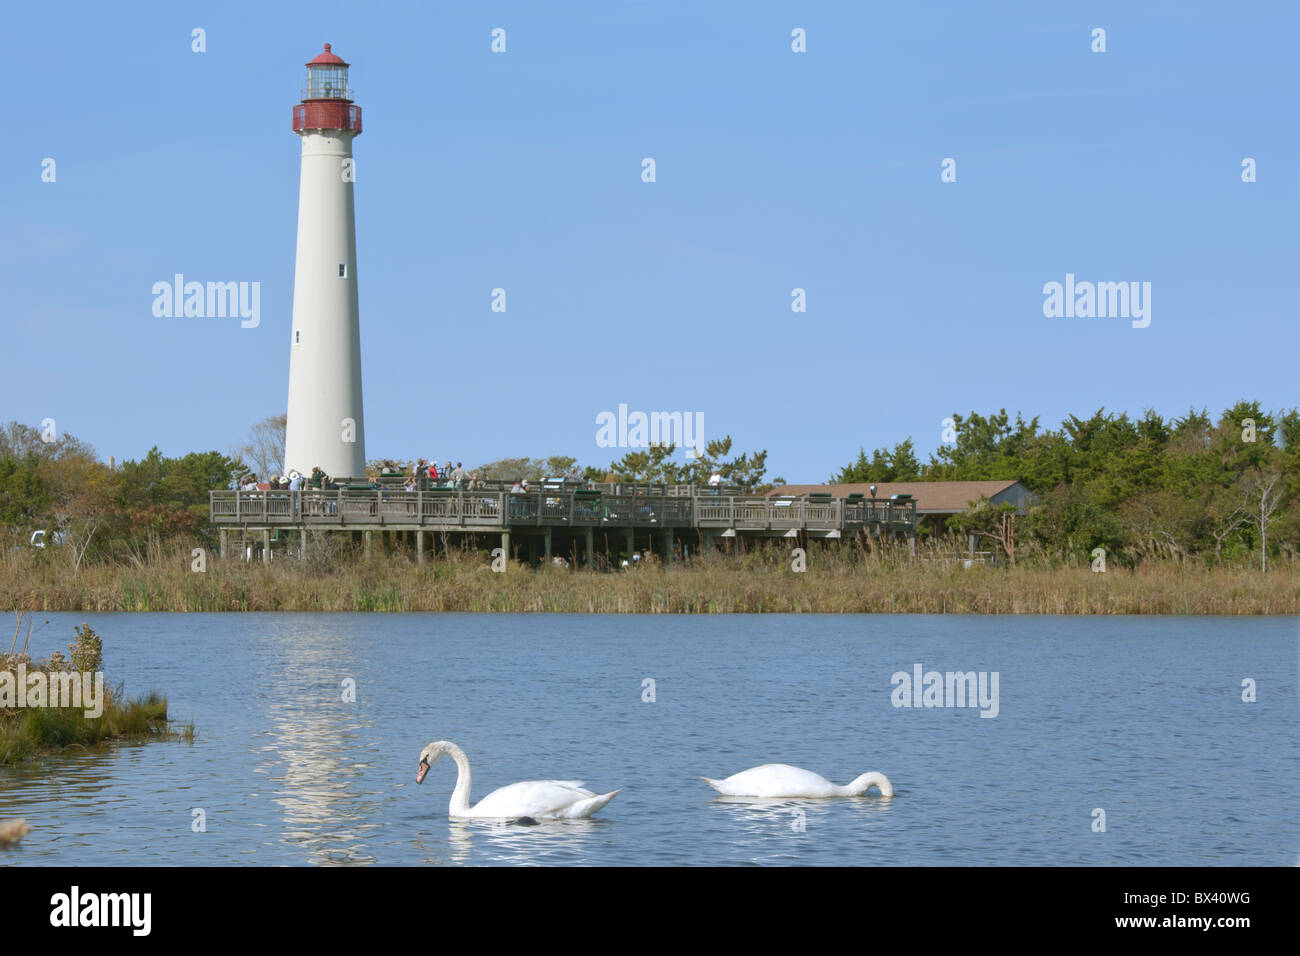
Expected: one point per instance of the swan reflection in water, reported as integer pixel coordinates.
(524, 842)
(760, 815)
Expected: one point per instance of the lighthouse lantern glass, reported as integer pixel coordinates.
(327, 83)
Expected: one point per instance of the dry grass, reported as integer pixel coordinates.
(839, 580)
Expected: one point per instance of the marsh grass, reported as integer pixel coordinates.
(31, 731)
(840, 578)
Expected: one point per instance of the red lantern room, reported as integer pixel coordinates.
(326, 100)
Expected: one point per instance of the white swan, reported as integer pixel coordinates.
(535, 799)
(783, 780)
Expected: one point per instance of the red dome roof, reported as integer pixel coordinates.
(326, 59)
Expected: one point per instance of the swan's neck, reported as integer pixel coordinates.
(865, 782)
(459, 796)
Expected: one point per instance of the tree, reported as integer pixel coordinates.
(901, 464)
(1227, 511)
(1265, 492)
(18, 441)
(747, 470)
(1162, 523)
(985, 448)
(1068, 521)
(655, 464)
(162, 497)
(532, 469)
(23, 495)
(83, 493)
(263, 450)
(998, 523)
(1144, 487)
(27, 464)
(1287, 531)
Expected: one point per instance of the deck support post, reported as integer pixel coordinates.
(591, 549)
(368, 537)
(505, 547)
(911, 544)
(224, 537)
(419, 546)
(546, 537)
(266, 545)
(532, 550)
(631, 547)
(668, 545)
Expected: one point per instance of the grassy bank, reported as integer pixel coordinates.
(35, 730)
(837, 580)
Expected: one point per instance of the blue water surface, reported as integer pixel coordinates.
(1139, 717)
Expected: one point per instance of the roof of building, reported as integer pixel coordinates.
(327, 59)
(946, 497)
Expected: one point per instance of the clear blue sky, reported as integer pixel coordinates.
(775, 170)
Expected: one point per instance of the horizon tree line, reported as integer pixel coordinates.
(1143, 489)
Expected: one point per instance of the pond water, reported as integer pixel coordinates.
(1141, 718)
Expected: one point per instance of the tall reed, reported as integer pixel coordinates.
(840, 578)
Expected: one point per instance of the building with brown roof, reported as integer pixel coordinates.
(936, 501)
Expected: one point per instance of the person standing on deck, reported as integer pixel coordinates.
(295, 484)
(715, 482)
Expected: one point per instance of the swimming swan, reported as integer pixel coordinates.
(536, 799)
(783, 780)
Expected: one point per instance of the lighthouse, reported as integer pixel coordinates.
(325, 426)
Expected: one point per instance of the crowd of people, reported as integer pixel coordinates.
(293, 481)
(422, 474)
(445, 477)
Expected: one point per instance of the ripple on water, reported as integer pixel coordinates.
(1117, 713)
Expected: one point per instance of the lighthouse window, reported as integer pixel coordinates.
(297, 336)
(326, 82)
(343, 270)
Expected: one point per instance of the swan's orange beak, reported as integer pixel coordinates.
(422, 772)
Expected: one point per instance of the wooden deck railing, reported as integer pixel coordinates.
(450, 509)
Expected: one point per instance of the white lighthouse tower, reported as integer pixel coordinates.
(325, 425)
